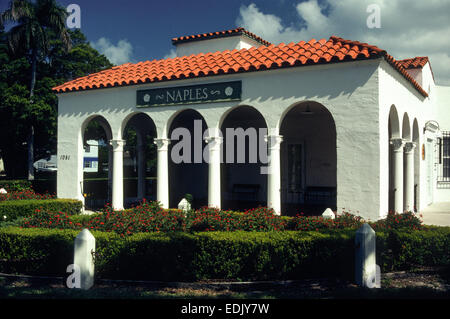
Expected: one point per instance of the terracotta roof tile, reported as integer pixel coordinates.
(220, 34)
(414, 63)
(334, 49)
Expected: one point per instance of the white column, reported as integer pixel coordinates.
(110, 172)
(214, 160)
(117, 187)
(397, 147)
(274, 174)
(140, 166)
(162, 192)
(409, 176)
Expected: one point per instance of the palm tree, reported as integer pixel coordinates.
(34, 24)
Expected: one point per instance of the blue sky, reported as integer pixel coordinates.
(139, 30)
(149, 25)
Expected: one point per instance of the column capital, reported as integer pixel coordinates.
(214, 141)
(274, 141)
(398, 144)
(117, 145)
(162, 143)
(409, 147)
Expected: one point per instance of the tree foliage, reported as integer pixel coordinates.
(54, 66)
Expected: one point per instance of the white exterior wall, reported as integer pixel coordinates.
(443, 114)
(347, 90)
(214, 45)
(396, 90)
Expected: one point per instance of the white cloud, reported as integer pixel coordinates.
(171, 54)
(117, 54)
(408, 28)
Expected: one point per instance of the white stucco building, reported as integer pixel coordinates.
(348, 126)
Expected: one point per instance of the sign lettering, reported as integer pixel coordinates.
(193, 94)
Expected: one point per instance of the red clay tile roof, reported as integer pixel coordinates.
(262, 58)
(220, 34)
(398, 65)
(414, 63)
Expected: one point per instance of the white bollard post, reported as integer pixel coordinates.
(83, 257)
(366, 270)
(184, 205)
(328, 213)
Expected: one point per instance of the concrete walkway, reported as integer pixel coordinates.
(437, 214)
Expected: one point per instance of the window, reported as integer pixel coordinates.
(444, 157)
(87, 164)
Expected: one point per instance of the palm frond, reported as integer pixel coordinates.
(19, 37)
(21, 9)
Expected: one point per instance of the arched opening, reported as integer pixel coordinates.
(188, 172)
(393, 132)
(416, 140)
(308, 160)
(139, 159)
(243, 181)
(406, 128)
(97, 163)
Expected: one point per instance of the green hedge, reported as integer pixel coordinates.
(15, 185)
(220, 255)
(23, 208)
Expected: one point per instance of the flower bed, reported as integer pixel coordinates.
(15, 185)
(150, 217)
(27, 194)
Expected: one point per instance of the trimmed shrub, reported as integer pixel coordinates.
(403, 249)
(220, 255)
(35, 251)
(24, 208)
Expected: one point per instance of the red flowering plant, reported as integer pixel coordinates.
(146, 217)
(25, 194)
(393, 220)
(261, 219)
(309, 223)
(45, 219)
(213, 219)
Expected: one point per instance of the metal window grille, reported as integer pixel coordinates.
(443, 153)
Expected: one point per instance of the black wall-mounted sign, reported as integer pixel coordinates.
(192, 94)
